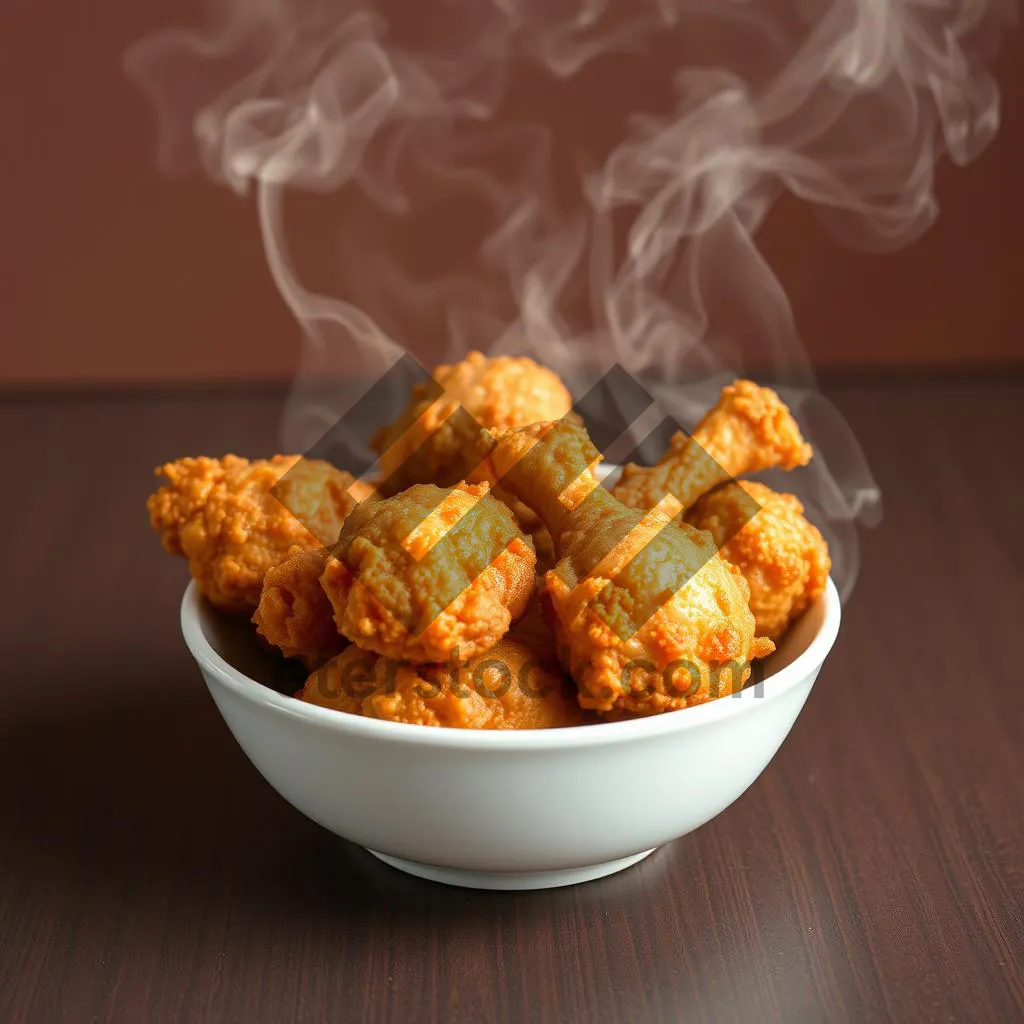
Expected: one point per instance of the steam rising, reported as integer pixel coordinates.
(485, 183)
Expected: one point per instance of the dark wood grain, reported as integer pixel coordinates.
(875, 872)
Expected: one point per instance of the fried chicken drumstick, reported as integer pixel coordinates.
(647, 617)
(234, 519)
(429, 573)
(749, 429)
(294, 613)
(782, 556)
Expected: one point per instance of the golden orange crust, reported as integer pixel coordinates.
(515, 685)
(646, 616)
(222, 516)
(637, 611)
(428, 443)
(538, 532)
(430, 572)
(294, 613)
(750, 429)
(782, 556)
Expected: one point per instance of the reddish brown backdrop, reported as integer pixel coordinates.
(113, 274)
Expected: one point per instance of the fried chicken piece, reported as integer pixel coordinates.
(294, 613)
(223, 516)
(750, 429)
(429, 573)
(345, 681)
(432, 441)
(782, 556)
(515, 685)
(646, 615)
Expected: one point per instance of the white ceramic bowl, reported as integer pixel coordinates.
(507, 809)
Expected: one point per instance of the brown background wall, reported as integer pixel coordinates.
(111, 273)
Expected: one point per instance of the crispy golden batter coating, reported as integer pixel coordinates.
(647, 617)
(430, 572)
(429, 443)
(538, 532)
(222, 516)
(515, 685)
(294, 613)
(782, 556)
(750, 429)
(653, 598)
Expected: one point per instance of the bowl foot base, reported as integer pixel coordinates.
(511, 879)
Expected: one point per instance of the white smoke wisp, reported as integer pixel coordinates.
(482, 180)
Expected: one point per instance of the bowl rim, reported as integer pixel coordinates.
(193, 607)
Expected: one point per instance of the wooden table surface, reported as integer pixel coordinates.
(875, 871)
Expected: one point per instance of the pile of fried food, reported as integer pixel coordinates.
(487, 579)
